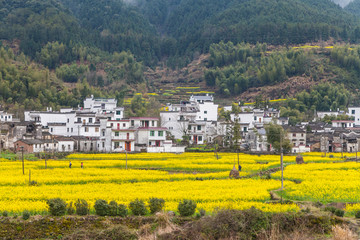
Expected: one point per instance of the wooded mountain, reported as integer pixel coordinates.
(354, 7)
(107, 44)
(153, 29)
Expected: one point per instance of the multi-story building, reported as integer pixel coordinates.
(296, 135)
(355, 113)
(122, 135)
(6, 117)
(343, 123)
(194, 119)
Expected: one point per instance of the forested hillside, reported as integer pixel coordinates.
(354, 7)
(104, 47)
(154, 29)
(233, 69)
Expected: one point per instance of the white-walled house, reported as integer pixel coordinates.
(354, 112)
(343, 123)
(44, 118)
(199, 112)
(322, 114)
(245, 119)
(100, 104)
(197, 132)
(122, 135)
(149, 137)
(208, 111)
(6, 117)
(167, 147)
(65, 144)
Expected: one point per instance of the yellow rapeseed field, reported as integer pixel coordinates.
(325, 182)
(201, 177)
(198, 176)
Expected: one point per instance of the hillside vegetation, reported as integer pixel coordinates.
(104, 47)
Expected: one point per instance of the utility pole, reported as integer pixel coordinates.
(45, 161)
(357, 148)
(1, 125)
(342, 146)
(281, 162)
(126, 159)
(238, 159)
(53, 147)
(78, 139)
(22, 157)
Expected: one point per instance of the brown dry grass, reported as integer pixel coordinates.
(165, 226)
(343, 233)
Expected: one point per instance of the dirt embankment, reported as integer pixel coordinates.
(225, 224)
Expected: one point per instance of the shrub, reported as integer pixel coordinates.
(33, 183)
(156, 205)
(57, 206)
(70, 209)
(123, 212)
(202, 212)
(138, 207)
(318, 204)
(306, 210)
(357, 214)
(187, 207)
(82, 207)
(339, 212)
(101, 207)
(5, 213)
(330, 209)
(26, 215)
(113, 208)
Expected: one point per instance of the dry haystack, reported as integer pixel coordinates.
(299, 159)
(234, 173)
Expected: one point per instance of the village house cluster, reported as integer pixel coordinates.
(101, 126)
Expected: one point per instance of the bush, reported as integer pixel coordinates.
(33, 183)
(82, 207)
(57, 206)
(339, 212)
(330, 209)
(156, 205)
(357, 214)
(123, 212)
(101, 207)
(26, 215)
(113, 208)
(5, 213)
(138, 207)
(187, 207)
(306, 210)
(70, 209)
(318, 204)
(202, 212)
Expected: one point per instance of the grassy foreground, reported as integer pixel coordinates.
(226, 224)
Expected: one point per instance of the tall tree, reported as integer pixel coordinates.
(277, 137)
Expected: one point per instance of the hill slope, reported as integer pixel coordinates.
(153, 29)
(198, 23)
(354, 7)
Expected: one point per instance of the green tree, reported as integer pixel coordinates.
(277, 137)
(137, 107)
